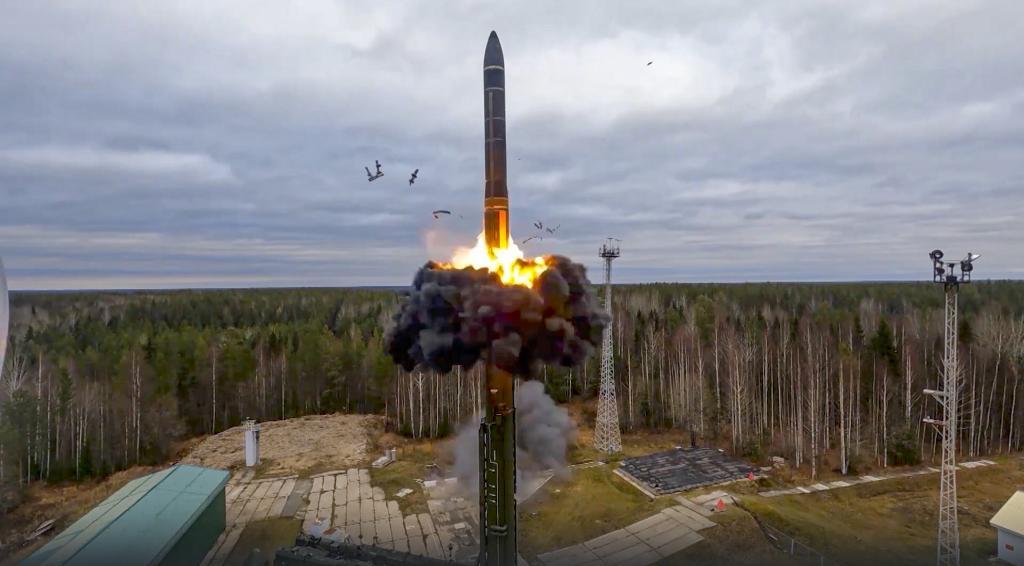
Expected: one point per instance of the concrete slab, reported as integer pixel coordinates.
(378, 493)
(340, 515)
(693, 506)
(247, 513)
(642, 557)
(597, 543)
(352, 492)
(318, 485)
(352, 474)
(397, 527)
(433, 544)
(352, 513)
(326, 500)
(232, 493)
(625, 540)
(401, 545)
(263, 511)
(648, 523)
(367, 531)
(364, 476)
(416, 546)
(693, 520)
(366, 511)
(365, 491)
(426, 523)
(380, 510)
(669, 526)
(328, 483)
(248, 491)
(412, 527)
(681, 543)
(621, 552)
(286, 488)
(383, 529)
(394, 510)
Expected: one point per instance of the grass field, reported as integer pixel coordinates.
(894, 521)
(593, 501)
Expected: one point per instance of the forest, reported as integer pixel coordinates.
(821, 374)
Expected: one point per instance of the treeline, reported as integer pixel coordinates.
(99, 381)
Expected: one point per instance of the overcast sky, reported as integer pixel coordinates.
(222, 144)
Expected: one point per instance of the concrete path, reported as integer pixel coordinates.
(847, 482)
(645, 542)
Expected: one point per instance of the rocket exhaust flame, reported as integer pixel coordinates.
(508, 263)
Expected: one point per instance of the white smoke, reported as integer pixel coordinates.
(543, 433)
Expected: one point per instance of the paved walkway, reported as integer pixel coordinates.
(340, 505)
(868, 479)
(645, 542)
(249, 500)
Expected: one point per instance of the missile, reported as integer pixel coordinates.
(495, 173)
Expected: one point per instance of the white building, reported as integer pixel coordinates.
(1009, 524)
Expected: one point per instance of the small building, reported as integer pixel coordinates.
(169, 517)
(1009, 524)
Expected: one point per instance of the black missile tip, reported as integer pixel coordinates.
(493, 54)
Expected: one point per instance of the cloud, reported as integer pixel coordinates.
(91, 160)
(211, 144)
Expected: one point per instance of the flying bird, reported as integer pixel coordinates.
(413, 178)
(371, 177)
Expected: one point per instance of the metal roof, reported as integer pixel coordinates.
(139, 523)
(1010, 516)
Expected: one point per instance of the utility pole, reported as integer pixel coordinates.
(948, 548)
(607, 438)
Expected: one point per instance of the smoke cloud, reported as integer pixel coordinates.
(456, 316)
(543, 434)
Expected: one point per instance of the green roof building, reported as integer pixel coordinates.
(169, 517)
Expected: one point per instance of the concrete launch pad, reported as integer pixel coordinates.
(680, 469)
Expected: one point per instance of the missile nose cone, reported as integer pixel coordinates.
(493, 54)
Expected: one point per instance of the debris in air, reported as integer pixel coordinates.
(371, 177)
(413, 178)
(438, 213)
(552, 230)
(538, 224)
(649, 63)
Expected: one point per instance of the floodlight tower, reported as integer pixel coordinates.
(948, 548)
(606, 433)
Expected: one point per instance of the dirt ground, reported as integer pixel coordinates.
(301, 445)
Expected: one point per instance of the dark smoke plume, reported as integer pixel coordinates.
(456, 316)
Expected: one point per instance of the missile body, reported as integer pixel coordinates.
(495, 176)
(498, 528)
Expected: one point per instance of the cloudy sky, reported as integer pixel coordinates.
(222, 144)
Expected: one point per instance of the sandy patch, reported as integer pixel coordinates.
(299, 445)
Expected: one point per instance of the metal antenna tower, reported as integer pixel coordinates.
(606, 434)
(948, 548)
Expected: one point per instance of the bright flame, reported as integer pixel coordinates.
(509, 263)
